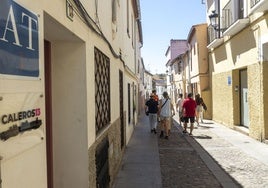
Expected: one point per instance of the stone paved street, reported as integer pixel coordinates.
(215, 156)
(181, 165)
(242, 165)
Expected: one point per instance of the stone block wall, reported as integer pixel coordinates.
(265, 99)
(258, 100)
(255, 101)
(113, 133)
(222, 98)
(206, 95)
(226, 100)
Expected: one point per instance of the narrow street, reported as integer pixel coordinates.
(215, 156)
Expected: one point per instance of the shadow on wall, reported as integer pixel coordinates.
(239, 45)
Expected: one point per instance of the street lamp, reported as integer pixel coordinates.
(214, 20)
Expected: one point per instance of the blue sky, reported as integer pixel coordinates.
(163, 20)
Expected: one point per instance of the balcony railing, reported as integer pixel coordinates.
(214, 37)
(234, 18)
(258, 6)
(212, 34)
(230, 14)
(253, 3)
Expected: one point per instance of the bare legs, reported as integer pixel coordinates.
(191, 128)
(197, 117)
(165, 127)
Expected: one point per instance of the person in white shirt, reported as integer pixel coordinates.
(166, 112)
(179, 107)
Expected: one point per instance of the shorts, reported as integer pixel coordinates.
(186, 119)
(199, 108)
(166, 119)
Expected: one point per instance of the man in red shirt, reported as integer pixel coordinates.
(188, 107)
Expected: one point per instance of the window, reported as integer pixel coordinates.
(102, 90)
(128, 17)
(132, 30)
(114, 11)
(115, 5)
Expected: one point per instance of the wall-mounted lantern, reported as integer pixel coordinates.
(214, 20)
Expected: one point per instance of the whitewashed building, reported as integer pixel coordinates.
(68, 90)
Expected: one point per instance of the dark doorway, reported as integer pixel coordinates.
(49, 152)
(121, 106)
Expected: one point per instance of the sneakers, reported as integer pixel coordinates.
(190, 134)
(162, 135)
(184, 131)
(153, 131)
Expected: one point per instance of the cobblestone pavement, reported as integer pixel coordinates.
(215, 156)
(182, 164)
(246, 170)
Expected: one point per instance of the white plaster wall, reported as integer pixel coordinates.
(69, 115)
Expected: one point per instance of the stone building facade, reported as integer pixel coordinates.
(238, 62)
(189, 69)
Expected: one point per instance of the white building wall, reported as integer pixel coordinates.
(73, 93)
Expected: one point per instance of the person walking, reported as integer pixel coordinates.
(151, 109)
(179, 107)
(166, 111)
(199, 108)
(189, 106)
(156, 98)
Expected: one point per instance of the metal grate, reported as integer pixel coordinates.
(102, 165)
(102, 90)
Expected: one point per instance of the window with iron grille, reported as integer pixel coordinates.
(102, 90)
